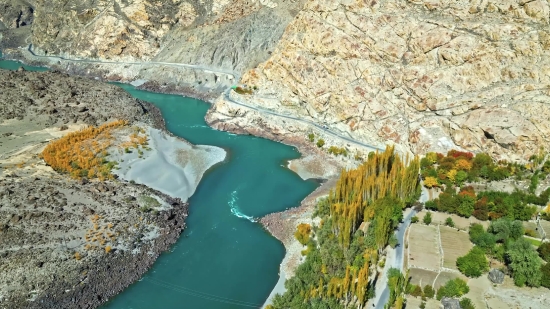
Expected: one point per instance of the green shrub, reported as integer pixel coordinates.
(429, 291)
(474, 263)
(524, 263)
(449, 222)
(545, 271)
(453, 288)
(427, 218)
(466, 303)
(320, 143)
(544, 251)
(311, 137)
(414, 219)
(416, 291)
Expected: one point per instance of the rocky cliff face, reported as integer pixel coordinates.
(426, 74)
(227, 35)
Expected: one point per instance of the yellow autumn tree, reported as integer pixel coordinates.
(451, 175)
(432, 157)
(302, 233)
(82, 153)
(431, 182)
(463, 165)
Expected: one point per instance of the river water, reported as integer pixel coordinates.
(224, 259)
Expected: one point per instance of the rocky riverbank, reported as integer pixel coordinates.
(74, 243)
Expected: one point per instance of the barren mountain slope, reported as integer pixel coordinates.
(228, 35)
(429, 75)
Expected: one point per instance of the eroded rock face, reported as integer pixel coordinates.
(213, 35)
(15, 14)
(429, 75)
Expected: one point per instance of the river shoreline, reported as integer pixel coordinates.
(313, 163)
(82, 275)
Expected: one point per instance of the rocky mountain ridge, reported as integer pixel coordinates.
(427, 75)
(229, 35)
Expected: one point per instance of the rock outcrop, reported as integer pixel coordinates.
(496, 276)
(450, 303)
(426, 74)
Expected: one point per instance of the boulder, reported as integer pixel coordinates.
(450, 303)
(496, 276)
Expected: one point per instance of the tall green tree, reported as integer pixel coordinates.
(474, 263)
(524, 263)
(505, 229)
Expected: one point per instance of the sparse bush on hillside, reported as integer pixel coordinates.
(242, 90)
(320, 143)
(311, 137)
(337, 151)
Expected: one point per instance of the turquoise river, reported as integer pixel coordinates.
(223, 259)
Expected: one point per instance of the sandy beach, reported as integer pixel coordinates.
(171, 166)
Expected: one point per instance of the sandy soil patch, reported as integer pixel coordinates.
(422, 277)
(414, 302)
(487, 295)
(312, 167)
(424, 247)
(455, 244)
(546, 226)
(445, 276)
(460, 222)
(171, 166)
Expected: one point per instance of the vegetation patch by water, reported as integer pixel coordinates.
(337, 272)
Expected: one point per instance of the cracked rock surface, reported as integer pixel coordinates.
(426, 74)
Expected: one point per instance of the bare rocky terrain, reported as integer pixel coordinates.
(64, 242)
(222, 35)
(427, 75)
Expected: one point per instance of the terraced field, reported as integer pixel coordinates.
(455, 244)
(424, 247)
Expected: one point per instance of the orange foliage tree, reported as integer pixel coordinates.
(82, 153)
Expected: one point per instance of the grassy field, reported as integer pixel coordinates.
(533, 241)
